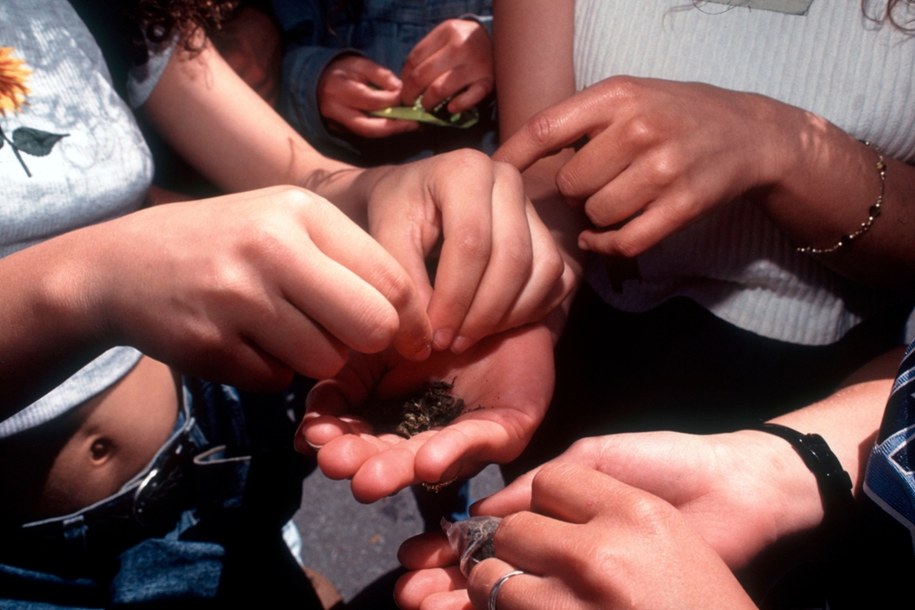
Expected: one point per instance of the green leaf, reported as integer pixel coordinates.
(34, 141)
(438, 116)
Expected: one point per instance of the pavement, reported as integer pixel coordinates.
(355, 545)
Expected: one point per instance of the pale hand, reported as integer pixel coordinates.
(505, 382)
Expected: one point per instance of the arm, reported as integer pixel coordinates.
(774, 493)
(654, 162)
(734, 494)
(282, 269)
(499, 267)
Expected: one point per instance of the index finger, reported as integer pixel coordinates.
(578, 494)
(362, 255)
(546, 133)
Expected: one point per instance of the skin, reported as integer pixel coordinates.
(669, 151)
(713, 499)
(281, 255)
(237, 310)
(588, 542)
(497, 257)
(657, 162)
(503, 411)
(453, 60)
(653, 162)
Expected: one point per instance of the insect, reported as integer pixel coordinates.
(434, 406)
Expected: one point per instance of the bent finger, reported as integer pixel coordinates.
(547, 132)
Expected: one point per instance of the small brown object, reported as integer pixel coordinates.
(435, 406)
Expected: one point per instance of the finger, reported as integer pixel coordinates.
(574, 493)
(430, 44)
(548, 131)
(356, 250)
(643, 231)
(511, 263)
(433, 589)
(419, 70)
(315, 430)
(367, 99)
(427, 550)
(466, 207)
(550, 281)
(375, 127)
(299, 341)
(386, 471)
(342, 457)
(518, 591)
(329, 404)
(378, 76)
(442, 86)
(598, 163)
(514, 497)
(247, 366)
(348, 98)
(460, 448)
(470, 96)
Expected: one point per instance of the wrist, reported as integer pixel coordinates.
(785, 495)
(830, 502)
(344, 185)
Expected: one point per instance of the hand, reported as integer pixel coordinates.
(588, 541)
(505, 382)
(736, 504)
(353, 85)
(659, 155)
(453, 60)
(498, 268)
(248, 288)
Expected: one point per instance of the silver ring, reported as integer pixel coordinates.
(494, 592)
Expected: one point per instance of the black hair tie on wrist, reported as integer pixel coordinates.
(833, 481)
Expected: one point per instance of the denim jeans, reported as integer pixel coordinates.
(225, 545)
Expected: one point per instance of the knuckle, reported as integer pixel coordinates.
(541, 129)
(473, 245)
(628, 247)
(640, 131)
(570, 182)
(666, 168)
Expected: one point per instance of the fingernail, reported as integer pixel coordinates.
(461, 344)
(442, 337)
(424, 352)
(302, 445)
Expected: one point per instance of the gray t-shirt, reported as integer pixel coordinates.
(72, 156)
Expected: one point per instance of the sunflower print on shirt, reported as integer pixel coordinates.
(14, 92)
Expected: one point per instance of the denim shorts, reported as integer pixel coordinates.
(200, 527)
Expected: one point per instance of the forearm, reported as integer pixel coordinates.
(51, 326)
(254, 146)
(533, 67)
(825, 185)
(847, 420)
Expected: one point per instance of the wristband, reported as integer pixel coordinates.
(832, 480)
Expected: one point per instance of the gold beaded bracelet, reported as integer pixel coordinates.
(872, 213)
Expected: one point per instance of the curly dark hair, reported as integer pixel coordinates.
(898, 12)
(159, 20)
